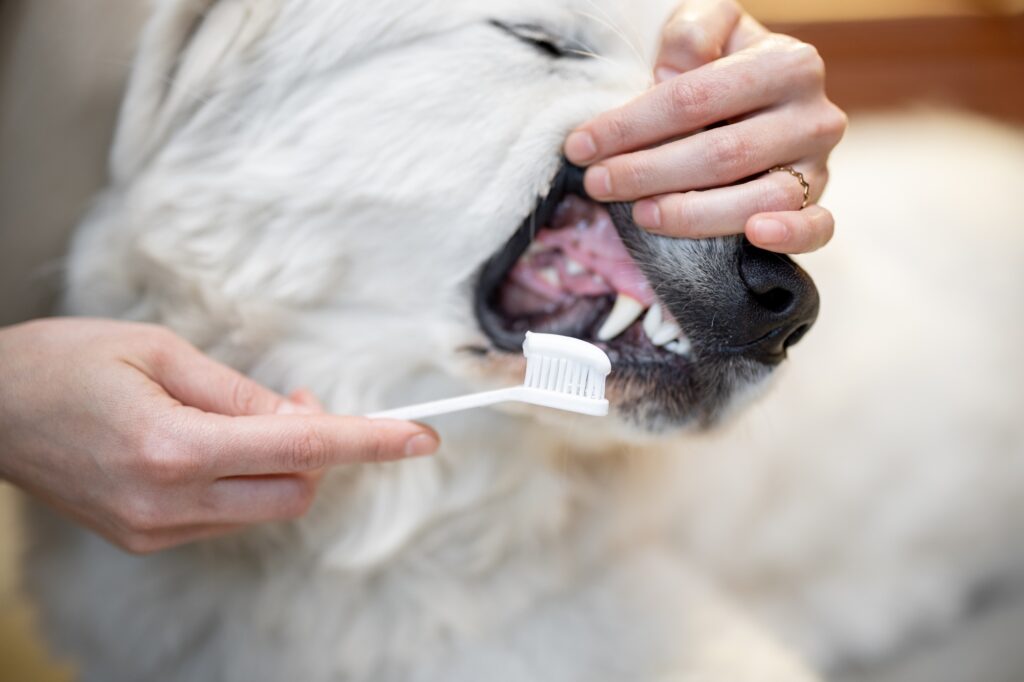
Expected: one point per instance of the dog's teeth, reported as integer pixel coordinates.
(624, 313)
(658, 329)
(680, 346)
(665, 333)
(574, 268)
(652, 321)
(550, 275)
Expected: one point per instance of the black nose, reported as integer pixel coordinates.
(781, 306)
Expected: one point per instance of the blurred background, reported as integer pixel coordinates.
(63, 65)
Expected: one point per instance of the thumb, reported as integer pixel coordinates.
(696, 35)
(199, 381)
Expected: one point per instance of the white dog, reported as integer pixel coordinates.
(344, 196)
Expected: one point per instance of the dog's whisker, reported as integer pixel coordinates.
(636, 40)
(592, 55)
(617, 32)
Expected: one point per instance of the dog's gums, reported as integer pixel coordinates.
(571, 271)
(567, 271)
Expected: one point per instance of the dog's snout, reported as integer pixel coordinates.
(731, 298)
(782, 304)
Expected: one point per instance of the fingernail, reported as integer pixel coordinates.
(647, 214)
(580, 147)
(769, 231)
(421, 444)
(664, 73)
(598, 181)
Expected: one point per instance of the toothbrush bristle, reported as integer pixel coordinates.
(564, 376)
(566, 366)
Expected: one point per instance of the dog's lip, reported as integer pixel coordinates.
(568, 181)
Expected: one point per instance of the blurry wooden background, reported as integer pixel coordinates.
(882, 54)
(846, 10)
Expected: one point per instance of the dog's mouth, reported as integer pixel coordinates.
(566, 271)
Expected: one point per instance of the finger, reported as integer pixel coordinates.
(696, 35)
(140, 541)
(257, 499)
(722, 211)
(305, 398)
(199, 381)
(748, 32)
(792, 231)
(713, 158)
(734, 86)
(243, 446)
(149, 543)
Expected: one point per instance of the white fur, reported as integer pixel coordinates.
(306, 189)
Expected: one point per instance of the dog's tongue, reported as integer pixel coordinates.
(579, 254)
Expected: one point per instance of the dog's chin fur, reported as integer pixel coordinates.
(306, 191)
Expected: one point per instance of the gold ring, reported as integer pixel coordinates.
(800, 177)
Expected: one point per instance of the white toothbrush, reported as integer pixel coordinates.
(561, 372)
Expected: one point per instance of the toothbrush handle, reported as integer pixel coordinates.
(437, 407)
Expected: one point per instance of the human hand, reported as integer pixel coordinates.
(135, 433)
(763, 95)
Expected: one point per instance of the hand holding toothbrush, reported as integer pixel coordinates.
(136, 434)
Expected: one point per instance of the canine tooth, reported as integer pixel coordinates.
(550, 275)
(666, 332)
(652, 321)
(680, 346)
(574, 268)
(624, 313)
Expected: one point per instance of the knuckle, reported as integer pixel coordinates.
(614, 132)
(244, 395)
(162, 343)
(633, 176)
(690, 97)
(155, 332)
(379, 445)
(141, 544)
(159, 352)
(729, 150)
(832, 124)
(810, 61)
(375, 449)
(308, 451)
(629, 176)
(691, 37)
(163, 460)
(782, 193)
(685, 217)
(730, 6)
(140, 515)
(780, 42)
(821, 178)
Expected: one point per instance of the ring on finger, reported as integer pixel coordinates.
(800, 177)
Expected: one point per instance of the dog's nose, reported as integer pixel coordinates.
(782, 304)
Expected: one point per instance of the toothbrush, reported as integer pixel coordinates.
(561, 372)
